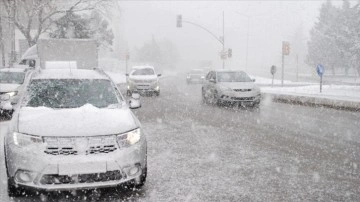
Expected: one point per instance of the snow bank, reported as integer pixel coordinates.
(336, 96)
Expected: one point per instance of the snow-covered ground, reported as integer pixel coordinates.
(336, 92)
(268, 81)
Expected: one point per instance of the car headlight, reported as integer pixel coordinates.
(223, 88)
(23, 140)
(202, 77)
(13, 93)
(129, 138)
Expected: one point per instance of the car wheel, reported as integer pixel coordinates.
(128, 93)
(13, 190)
(214, 99)
(204, 99)
(157, 93)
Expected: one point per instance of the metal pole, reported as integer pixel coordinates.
(2, 48)
(12, 28)
(282, 70)
(321, 83)
(223, 43)
(297, 67)
(247, 45)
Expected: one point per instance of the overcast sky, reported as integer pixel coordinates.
(271, 22)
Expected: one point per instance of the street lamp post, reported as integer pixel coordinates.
(247, 38)
(221, 40)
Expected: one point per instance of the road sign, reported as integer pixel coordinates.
(320, 69)
(273, 70)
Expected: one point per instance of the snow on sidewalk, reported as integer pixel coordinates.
(334, 96)
(335, 92)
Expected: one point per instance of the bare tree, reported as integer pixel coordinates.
(34, 17)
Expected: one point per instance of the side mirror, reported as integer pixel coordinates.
(159, 75)
(212, 80)
(32, 63)
(253, 80)
(134, 102)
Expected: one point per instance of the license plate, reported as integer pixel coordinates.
(82, 168)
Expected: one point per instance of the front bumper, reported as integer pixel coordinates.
(246, 98)
(143, 87)
(71, 172)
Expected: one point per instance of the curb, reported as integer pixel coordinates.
(315, 101)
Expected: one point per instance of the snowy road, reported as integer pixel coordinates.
(205, 153)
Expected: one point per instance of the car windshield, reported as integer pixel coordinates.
(71, 93)
(145, 71)
(233, 77)
(12, 77)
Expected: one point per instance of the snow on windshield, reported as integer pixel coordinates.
(70, 93)
(143, 72)
(233, 77)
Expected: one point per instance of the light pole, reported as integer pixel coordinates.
(247, 38)
(221, 39)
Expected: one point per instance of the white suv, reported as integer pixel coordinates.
(74, 130)
(143, 79)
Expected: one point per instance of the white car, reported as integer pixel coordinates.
(230, 87)
(73, 129)
(143, 79)
(195, 76)
(11, 84)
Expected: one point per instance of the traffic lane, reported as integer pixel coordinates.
(305, 143)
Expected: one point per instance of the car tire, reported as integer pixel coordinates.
(215, 100)
(13, 190)
(142, 179)
(157, 93)
(128, 93)
(204, 99)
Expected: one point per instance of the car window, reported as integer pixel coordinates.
(12, 77)
(145, 71)
(233, 77)
(70, 93)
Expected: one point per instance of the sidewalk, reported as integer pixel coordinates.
(334, 96)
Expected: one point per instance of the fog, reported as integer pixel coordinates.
(270, 23)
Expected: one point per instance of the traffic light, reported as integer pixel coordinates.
(178, 21)
(230, 53)
(285, 48)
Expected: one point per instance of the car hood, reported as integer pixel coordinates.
(238, 85)
(83, 121)
(5, 87)
(143, 77)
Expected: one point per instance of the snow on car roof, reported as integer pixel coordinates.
(69, 74)
(143, 67)
(13, 70)
(228, 70)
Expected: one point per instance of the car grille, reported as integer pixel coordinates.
(243, 98)
(81, 178)
(242, 90)
(142, 87)
(143, 81)
(80, 145)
